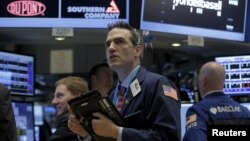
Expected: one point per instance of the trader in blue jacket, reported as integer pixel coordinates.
(215, 107)
(150, 105)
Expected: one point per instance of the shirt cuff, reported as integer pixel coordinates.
(120, 134)
(88, 138)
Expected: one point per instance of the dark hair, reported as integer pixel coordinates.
(94, 71)
(136, 38)
(95, 68)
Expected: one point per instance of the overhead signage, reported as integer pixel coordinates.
(62, 13)
(26, 8)
(29, 8)
(62, 32)
(90, 10)
(221, 19)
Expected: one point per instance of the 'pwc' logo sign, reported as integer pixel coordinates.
(26, 8)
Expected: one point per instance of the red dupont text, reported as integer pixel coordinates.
(26, 8)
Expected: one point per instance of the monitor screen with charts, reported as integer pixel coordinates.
(17, 72)
(237, 69)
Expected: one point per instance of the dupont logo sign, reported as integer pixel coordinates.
(26, 8)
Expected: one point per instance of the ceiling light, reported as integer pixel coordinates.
(175, 44)
(59, 38)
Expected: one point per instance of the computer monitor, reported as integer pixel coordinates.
(237, 69)
(184, 108)
(37, 133)
(38, 113)
(24, 117)
(50, 116)
(17, 72)
(221, 19)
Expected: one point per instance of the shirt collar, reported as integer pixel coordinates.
(130, 76)
(214, 91)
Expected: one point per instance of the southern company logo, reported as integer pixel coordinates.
(113, 8)
(26, 8)
(95, 12)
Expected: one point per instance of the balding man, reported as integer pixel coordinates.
(215, 107)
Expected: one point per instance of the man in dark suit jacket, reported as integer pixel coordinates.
(148, 102)
(7, 119)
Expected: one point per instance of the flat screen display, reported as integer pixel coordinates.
(62, 13)
(184, 108)
(38, 113)
(222, 19)
(50, 116)
(237, 74)
(24, 120)
(17, 73)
